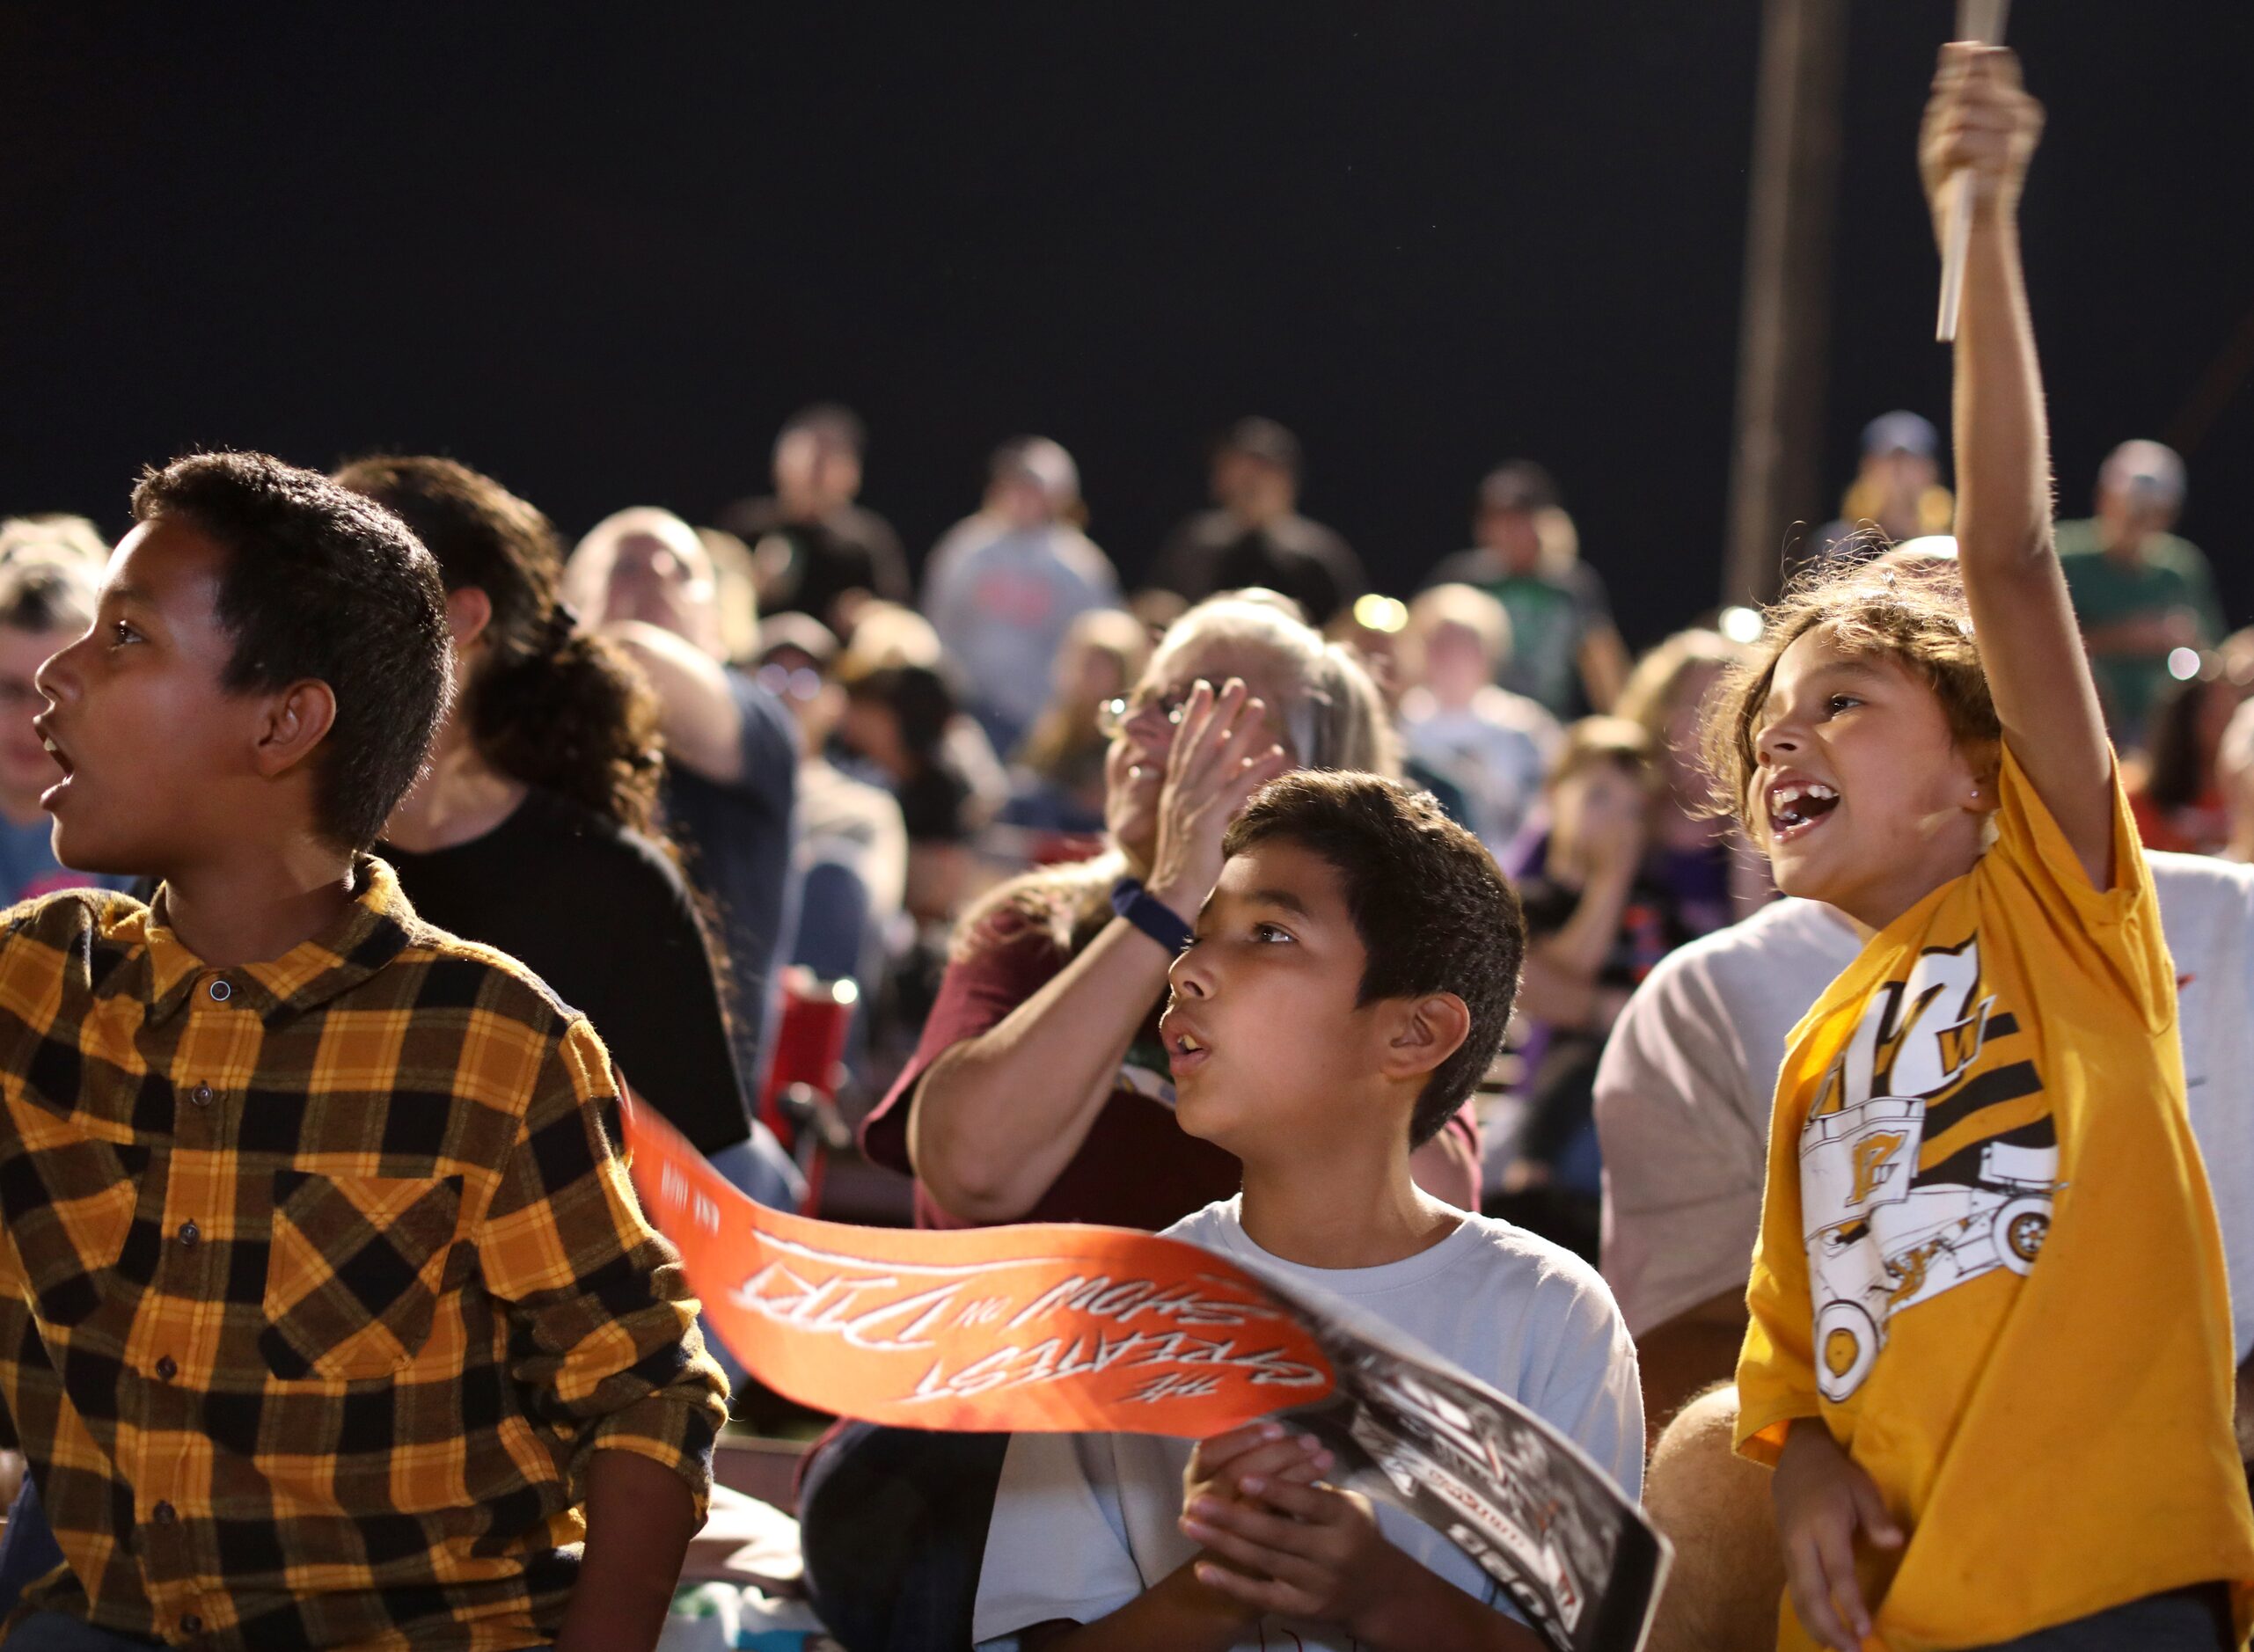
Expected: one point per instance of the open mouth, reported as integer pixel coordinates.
(1796, 807)
(1186, 1050)
(61, 761)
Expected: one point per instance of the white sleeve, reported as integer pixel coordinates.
(1057, 1547)
(1681, 1121)
(2207, 911)
(1588, 1389)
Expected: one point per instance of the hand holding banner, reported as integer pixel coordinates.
(1053, 1327)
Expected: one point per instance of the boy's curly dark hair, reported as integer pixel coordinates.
(1433, 912)
(1907, 609)
(321, 583)
(551, 705)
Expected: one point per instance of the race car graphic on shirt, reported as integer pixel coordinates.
(1888, 1224)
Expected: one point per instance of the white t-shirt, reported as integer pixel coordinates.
(1496, 749)
(1689, 1077)
(1084, 1522)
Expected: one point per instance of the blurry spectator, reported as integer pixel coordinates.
(47, 602)
(643, 578)
(535, 830)
(2140, 593)
(1056, 785)
(1157, 609)
(1003, 586)
(896, 722)
(56, 536)
(1596, 924)
(1255, 536)
(887, 634)
(2177, 800)
(1897, 489)
(735, 592)
(1493, 744)
(1712, 876)
(1376, 629)
(1564, 650)
(811, 544)
(1040, 1090)
(852, 845)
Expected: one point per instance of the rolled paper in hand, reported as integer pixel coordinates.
(1980, 20)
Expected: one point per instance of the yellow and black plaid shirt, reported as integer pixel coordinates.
(322, 1281)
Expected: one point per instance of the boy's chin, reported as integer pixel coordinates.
(1204, 1114)
(83, 850)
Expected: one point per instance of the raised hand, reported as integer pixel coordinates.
(1222, 754)
(1978, 123)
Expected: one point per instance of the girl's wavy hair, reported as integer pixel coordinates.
(1332, 713)
(551, 705)
(1907, 609)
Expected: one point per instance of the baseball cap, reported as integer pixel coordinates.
(1900, 431)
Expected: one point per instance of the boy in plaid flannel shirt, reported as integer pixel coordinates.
(327, 1316)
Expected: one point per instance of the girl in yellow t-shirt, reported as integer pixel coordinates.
(1990, 1349)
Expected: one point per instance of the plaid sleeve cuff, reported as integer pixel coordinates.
(675, 1426)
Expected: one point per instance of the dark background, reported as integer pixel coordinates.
(602, 252)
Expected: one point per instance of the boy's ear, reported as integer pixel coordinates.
(293, 723)
(1426, 1031)
(468, 612)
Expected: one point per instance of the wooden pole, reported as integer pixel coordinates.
(1784, 326)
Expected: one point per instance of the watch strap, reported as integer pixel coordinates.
(1146, 912)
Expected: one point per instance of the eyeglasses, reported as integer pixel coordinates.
(784, 682)
(1112, 716)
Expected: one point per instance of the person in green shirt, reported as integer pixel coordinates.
(2139, 592)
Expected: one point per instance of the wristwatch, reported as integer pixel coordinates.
(1151, 915)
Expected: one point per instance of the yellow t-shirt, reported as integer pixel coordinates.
(1988, 1258)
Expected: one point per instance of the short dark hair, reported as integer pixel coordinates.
(1265, 440)
(324, 584)
(832, 424)
(1434, 912)
(1517, 485)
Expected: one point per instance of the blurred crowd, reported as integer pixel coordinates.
(804, 773)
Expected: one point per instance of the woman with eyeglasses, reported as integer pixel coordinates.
(1040, 1091)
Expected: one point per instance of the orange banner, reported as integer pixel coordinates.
(1045, 1327)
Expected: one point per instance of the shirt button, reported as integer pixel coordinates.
(220, 993)
(164, 1514)
(201, 1095)
(190, 1233)
(167, 1368)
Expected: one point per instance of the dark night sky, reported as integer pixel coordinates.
(601, 255)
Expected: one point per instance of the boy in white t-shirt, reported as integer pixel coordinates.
(1347, 984)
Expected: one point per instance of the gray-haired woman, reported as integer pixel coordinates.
(1039, 1091)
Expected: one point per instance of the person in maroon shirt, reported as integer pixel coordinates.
(1039, 1091)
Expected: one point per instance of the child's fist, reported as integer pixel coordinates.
(1980, 122)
